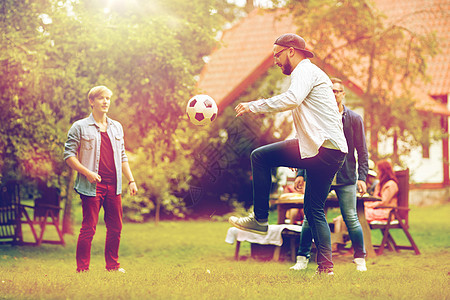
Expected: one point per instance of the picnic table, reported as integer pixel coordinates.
(286, 203)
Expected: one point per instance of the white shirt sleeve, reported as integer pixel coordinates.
(282, 102)
(301, 85)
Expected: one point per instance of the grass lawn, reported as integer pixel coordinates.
(190, 260)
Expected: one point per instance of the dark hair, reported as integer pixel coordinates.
(386, 172)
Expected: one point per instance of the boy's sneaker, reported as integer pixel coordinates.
(119, 270)
(360, 264)
(82, 270)
(301, 264)
(250, 224)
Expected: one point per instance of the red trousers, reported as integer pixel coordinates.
(112, 205)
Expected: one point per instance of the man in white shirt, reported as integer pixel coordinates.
(320, 146)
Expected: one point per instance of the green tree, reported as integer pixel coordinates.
(40, 90)
(147, 52)
(153, 83)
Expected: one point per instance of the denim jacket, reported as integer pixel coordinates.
(83, 142)
(356, 139)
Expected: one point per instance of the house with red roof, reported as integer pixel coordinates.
(246, 54)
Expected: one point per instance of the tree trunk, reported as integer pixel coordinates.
(67, 226)
(371, 109)
(249, 6)
(373, 142)
(158, 209)
(395, 159)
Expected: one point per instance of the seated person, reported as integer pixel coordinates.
(387, 190)
(294, 215)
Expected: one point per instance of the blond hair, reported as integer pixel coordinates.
(97, 91)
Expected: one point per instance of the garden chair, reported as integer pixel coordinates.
(46, 212)
(11, 213)
(398, 218)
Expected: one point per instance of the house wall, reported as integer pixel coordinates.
(426, 197)
(422, 170)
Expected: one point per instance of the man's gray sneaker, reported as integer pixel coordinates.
(249, 224)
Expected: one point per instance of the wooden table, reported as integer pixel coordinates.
(332, 201)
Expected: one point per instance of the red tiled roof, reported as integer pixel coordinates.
(246, 51)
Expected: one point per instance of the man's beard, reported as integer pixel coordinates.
(287, 68)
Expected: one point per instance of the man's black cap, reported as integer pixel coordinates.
(294, 41)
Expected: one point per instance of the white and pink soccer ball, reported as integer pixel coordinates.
(201, 110)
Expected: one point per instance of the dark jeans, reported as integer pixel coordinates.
(112, 205)
(320, 171)
(347, 202)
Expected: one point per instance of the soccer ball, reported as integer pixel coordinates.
(201, 110)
